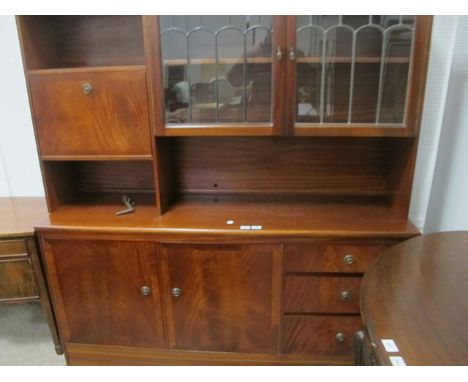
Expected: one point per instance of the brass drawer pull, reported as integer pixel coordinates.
(87, 88)
(145, 290)
(340, 337)
(176, 292)
(345, 295)
(349, 259)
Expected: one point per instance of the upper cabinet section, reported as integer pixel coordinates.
(352, 69)
(87, 86)
(296, 75)
(218, 74)
(353, 72)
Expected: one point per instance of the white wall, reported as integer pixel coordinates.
(20, 174)
(448, 203)
(19, 166)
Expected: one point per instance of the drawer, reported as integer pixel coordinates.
(16, 279)
(13, 248)
(322, 294)
(92, 112)
(319, 335)
(339, 258)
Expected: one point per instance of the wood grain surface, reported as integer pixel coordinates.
(415, 294)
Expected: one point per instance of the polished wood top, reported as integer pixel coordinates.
(18, 215)
(416, 293)
(209, 215)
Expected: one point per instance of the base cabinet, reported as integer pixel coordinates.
(144, 302)
(222, 297)
(105, 292)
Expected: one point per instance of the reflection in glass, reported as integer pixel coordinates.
(217, 68)
(353, 69)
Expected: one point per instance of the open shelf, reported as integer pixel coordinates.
(277, 216)
(357, 60)
(99, 182)
(81, 41)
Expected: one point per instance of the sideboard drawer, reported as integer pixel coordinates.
(92, 112)
(17, 280)
(322, 294)
(319, 335)
(338, 258)
(13, 248)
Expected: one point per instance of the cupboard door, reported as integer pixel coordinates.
(97, 112)
(222, 297)
(220, 74)
(105, 292)
(353, 71)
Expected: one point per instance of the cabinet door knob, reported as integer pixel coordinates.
(349, 259)
(145, 290)
(292, 54)
(176, 292)
(340, 337)
(279, 53)
(345, 295)
(87, 88)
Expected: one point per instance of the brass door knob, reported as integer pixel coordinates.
(345, 295)
(145, 290)
(340, 337)
(87, 88)
(349, 259)
(176, 292)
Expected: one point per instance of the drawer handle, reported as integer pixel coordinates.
(340, 337)
(145, 290)
(349, 259)
(176, 292)
(292, 54)
(345, 295)
(87, 88)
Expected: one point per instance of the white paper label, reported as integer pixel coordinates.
(257, 227)
(230, 222)
(397, 361)
(245, 227)
(390, 346)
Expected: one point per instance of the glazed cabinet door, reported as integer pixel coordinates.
(217, 75)
(222, 297)
(361, 72)
(105, 292)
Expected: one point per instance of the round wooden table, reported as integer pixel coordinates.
(416, 294)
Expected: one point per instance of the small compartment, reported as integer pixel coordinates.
(13, 248)
(81, 41)
(99, 182)
(319, 335)
(98, 112)
(17, 279)
(332, 258)
(322, 294)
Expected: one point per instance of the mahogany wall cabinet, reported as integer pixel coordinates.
(269, 159)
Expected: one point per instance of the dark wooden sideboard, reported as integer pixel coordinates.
(21, 272)
(269, 158)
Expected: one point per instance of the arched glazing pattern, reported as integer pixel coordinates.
(217, 68)
(353, 69)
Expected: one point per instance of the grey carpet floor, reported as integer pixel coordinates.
(25, 337)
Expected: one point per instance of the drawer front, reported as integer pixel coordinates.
(13, 248)
(16, 280)
(112, 119)
(319, 335)
(322, 294)
(338, 258)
